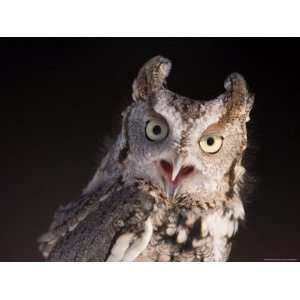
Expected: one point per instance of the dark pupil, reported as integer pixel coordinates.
(210, 141)
(156, 129)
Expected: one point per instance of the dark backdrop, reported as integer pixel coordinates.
(61, 97)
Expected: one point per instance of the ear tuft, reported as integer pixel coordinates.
(151, 78)
(235, 82)
(241, 101)
(249, 106)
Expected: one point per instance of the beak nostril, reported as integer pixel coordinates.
(167, 167)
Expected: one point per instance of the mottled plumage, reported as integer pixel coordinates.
(169, 187)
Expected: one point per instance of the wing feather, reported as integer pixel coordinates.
(92, 238)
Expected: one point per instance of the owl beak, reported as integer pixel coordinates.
(174, 173)
(176, 168)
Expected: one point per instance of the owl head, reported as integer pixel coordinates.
(181, 145)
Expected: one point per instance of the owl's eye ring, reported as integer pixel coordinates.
(211, 143)
(156, 130)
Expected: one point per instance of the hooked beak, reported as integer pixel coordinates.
(173, 174)
(177, 164)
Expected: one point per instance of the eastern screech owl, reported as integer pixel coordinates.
(169, 187)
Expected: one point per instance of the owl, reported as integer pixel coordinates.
(168, 189)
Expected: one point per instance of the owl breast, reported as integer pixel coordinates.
(195, 233)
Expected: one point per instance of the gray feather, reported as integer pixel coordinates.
(92, 239)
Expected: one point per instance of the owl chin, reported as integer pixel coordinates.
(170, 190)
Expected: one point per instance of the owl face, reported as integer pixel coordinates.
(181, 145)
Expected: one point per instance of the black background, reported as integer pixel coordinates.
(61, 97)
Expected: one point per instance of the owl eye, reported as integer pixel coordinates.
(211, 143)
(156, 130)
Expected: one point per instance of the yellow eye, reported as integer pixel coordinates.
(156, 130)
(211, 143)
